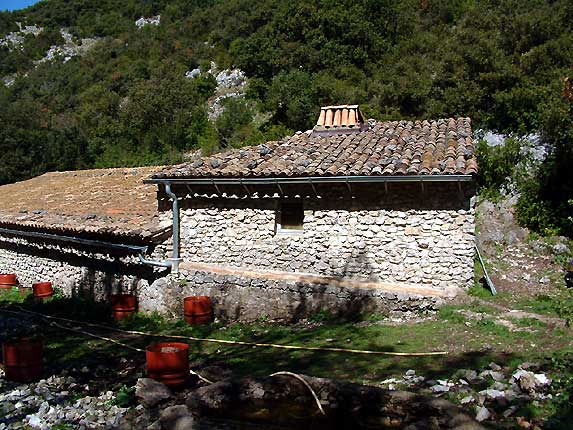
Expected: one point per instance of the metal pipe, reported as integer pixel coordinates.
(175, 215)
(313, 179)
(144, 260)
(173, 262)
(488, 280)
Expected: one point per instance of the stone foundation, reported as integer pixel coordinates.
(256, 295)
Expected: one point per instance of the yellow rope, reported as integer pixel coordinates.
(97, 337)
(237, 342)
(306, 384)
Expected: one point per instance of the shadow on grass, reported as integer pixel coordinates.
(105, 365)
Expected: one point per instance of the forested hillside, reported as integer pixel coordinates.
(126, 99)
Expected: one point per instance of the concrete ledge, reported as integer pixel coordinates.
(314, 279)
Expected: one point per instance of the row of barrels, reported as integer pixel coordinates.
(166, 362)
(23, 358)
(197, 310)
(41, 290)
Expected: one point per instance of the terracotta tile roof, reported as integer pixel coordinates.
(441, 147)
(112, 202)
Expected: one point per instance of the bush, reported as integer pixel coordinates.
(546, 203)
(497, 166)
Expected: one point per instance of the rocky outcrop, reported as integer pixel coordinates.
(231, 83)
(71, 48)
(15, 39)
(343, 405)
(142, 22)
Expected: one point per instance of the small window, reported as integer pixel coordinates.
(290, 217)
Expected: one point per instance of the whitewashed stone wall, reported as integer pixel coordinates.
(402, 235)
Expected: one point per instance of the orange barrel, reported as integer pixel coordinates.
(23, 359)
(42, 290)
(7, 281)
(168, 363)
(197, 309)
(123, 305)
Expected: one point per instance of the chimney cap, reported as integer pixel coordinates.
(340, 119)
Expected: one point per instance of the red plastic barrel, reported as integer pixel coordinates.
(197, 309)
(23, 359)
(42, 290)
(123, 305)
(168, 362)
(8, 280)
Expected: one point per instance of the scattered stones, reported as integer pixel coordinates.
(482, 414)
(51, 403)
(530, 382)
(54, 402)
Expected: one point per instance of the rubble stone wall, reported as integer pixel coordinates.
(244, 298)
(399, 233)
(78, 271)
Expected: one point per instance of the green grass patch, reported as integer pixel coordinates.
(469, 346)
(491, 327)
(451, 314)
(528, 322)
(13, 295)
(478, 290)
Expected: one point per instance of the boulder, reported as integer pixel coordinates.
(151, 392)
(176, 418)
(278, 399)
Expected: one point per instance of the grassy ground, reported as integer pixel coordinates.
(473, 333)
(527, 321)
(471, 340)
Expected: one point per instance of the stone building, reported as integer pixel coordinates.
(84, 231)
(352, 216)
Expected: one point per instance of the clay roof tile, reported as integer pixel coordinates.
(397, 147)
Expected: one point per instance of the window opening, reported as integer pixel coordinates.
(290, 217)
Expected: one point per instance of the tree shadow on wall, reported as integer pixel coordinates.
(99, 277)
(333, 298)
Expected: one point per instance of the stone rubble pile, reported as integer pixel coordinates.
(56, 401)
(494, 394)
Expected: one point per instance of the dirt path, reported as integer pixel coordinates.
(520, 314)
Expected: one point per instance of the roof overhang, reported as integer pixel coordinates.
(311, 180)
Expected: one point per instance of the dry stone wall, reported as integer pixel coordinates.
(403, 235)
(76, 271)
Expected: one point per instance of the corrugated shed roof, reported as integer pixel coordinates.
(393, 148)
(104, 201)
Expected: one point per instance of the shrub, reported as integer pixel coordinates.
(497, 166)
